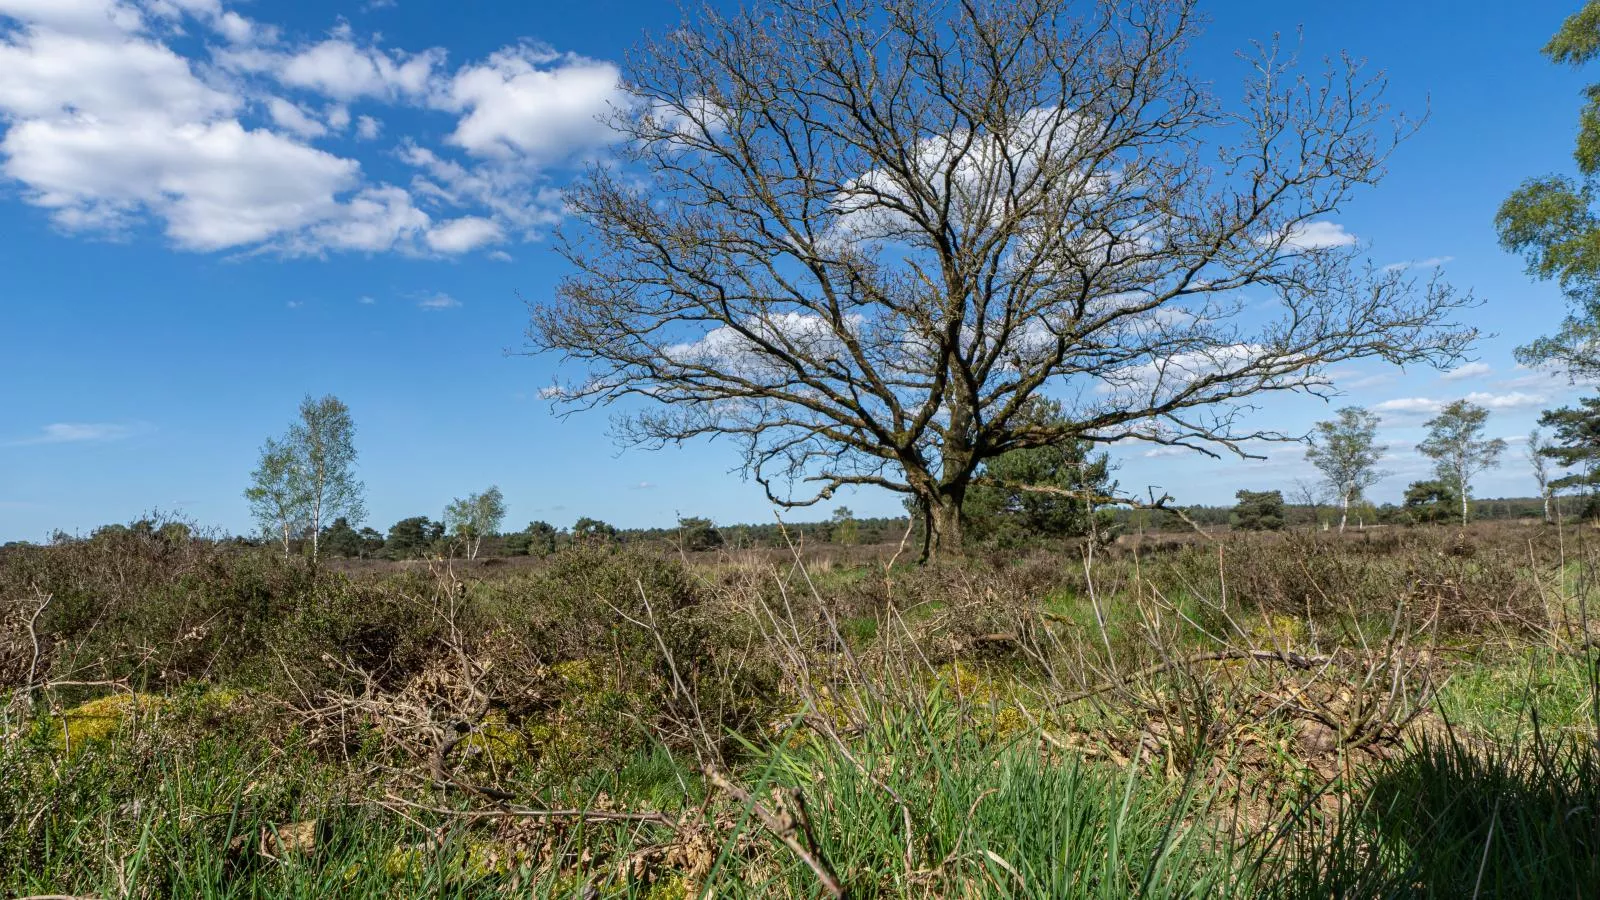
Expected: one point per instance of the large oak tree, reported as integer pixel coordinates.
(861, 237)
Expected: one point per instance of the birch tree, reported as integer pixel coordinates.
(323, 444)
(1458, 448)
(1538, 455)
(1346, 452)
(277, 493)
(475, 516)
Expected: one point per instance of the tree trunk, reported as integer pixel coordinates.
(1344, 511)
(945, 526)
(1463, 503)
(285, 540)
(1546, 494)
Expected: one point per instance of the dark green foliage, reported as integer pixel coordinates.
(342, 541)
(1259, 511)
(413, 537)
(1001, 513)
(1576, 445)
(1453, 821)
(538, 539)
(1551, 222)
(593, 530)
(1430, 501)
(698, 534)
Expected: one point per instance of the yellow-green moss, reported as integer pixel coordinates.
(498, 742)
(97, 720)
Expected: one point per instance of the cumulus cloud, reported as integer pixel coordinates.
(1322, 235)
(1409, 406)
(1470, 370)
(532, 103)
(105, 124)
(293, 118)
(1419, 406)
(464, 234)
(341, 69)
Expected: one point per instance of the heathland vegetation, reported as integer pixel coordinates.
(896, 234)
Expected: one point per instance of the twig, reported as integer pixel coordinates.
(1293, 660)
(782, 831)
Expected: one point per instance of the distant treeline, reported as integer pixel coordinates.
(419, 536)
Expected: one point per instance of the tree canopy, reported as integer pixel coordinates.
(1551, 220)
(861, 238)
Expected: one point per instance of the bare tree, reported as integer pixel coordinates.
(860, 236)
(478, 515)
(1539, 461)
(1345, 451)
(277, 493)
(1458, 449)
(323, 446)
(1310, 494)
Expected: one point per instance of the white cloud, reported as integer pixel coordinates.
(1509, 400)
(532, 103)
(216, 185)
(78, 16)
(438, 302)
(77, 433)
(1419, 406)
(1319, 236)
(295, 119)
(464, 234)
(1409, 406)
(1432, 262)
(107, 126)
(1470, 370)
(366, 301)
(340, 69)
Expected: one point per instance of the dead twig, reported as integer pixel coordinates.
(783, 831)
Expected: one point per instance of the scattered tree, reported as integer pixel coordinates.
(1456, 444)
(696, 534)
(1346, 452)
(1258, 511)
(472, 518)
(1429, 501)
(1553, 223)
(1538, 454)
(863, 237)
(587, 529)
(277, 493)
(322, 444)
(538, 539)
(846, 530)
(1041, 492)
(1576, 447)
(342, 540)
(413, 537)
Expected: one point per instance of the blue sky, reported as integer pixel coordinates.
(211, 208)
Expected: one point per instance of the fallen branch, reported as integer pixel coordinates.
(1292, 660)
